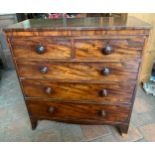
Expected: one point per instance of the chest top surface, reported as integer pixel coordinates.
(103, 23)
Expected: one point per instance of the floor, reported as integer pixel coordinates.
(15, 124)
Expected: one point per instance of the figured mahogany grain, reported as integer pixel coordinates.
(77, 91)
(58, 48)
(78, 71)
(65, 82)
(121, 49)
(87, 113)
(75, 33)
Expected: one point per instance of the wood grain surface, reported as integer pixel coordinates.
(78, 71)
(66, 82)
(89, 113)
(54, 48)
(121, 49)
(77, 91)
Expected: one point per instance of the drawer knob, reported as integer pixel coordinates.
(48, 90)
(103, 113)
(51, 110)
(44, 69)
(40, 49)
(103, 93)
(105, 71)
(107, 49)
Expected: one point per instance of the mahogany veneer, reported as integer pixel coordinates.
(81, 70)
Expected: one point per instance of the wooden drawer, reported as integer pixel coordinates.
(76, 112)
(97, 72)
(40, 47)
(108, 49)
(112, 92)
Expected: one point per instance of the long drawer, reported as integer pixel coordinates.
(67, 71)
(112, 93)
(77, 113)
(41, 47)
(67, 111)
(108, 49)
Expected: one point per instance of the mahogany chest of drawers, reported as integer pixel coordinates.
(79, 70)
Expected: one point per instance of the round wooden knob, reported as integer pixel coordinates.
(103, 113)
(48, 90)
(40, 49)
(44, 69)
(103, 93)
(105, 71)
(107, 49)
(51, 110)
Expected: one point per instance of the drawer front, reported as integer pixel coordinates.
(76, 91)
(39, 47)
(97, 72)
(76, 112)
(113, 49)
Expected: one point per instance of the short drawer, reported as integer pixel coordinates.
(108, 49)
(97, 72)
(77, 112)
(113, 92)
(41, 47)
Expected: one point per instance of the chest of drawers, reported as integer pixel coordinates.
(79, 70)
